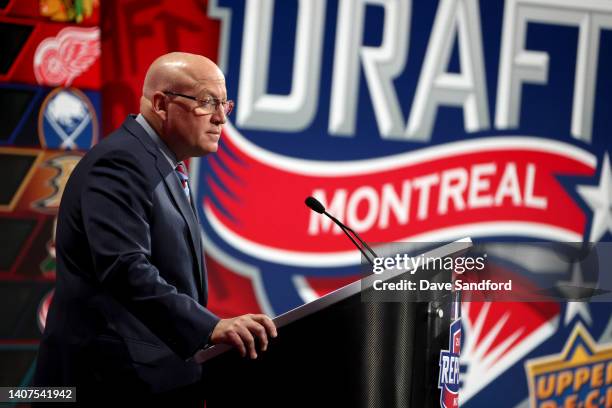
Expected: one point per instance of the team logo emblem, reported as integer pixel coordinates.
(580, 376)
(67, 121)
(448, 379)
(49, 264)
(63, 165)
(392, 168)
(78, 11)
(59, 60)
(43, 309)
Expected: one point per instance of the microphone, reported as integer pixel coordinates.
(316, 206)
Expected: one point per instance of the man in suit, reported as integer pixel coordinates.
(129, 310)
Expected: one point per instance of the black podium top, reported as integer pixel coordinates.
(341, 351)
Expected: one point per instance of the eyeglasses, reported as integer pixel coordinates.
(208, 105)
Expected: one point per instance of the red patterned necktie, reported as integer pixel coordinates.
(182, 173)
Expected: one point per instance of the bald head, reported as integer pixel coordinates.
(179, 71)
(174, 116)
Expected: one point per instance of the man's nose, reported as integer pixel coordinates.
(218, 116)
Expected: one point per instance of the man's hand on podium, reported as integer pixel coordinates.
(241, 332)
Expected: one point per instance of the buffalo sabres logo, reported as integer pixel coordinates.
(67, 121)
(59, 60)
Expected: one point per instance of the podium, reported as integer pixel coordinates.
(341, 351)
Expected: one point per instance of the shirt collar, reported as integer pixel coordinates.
(163, 147)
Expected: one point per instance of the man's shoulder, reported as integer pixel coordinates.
(119, 150)
(121, 143)
(121, 138)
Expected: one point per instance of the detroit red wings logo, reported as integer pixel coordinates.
(59, 60)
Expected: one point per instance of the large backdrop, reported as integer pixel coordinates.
(410, 120)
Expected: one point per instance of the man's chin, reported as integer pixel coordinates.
(210, 148)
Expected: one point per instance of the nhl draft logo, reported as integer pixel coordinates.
(448, 378)
(409, 121)
(367, 130)
(59, 60)
(580, 376)
(67, 121)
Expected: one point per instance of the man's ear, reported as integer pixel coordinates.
(160, 105)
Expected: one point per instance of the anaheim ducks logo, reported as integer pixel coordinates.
(59, 60)
(64, 165)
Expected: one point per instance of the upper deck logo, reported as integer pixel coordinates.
(580, 376)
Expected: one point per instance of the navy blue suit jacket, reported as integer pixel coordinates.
(130, 302)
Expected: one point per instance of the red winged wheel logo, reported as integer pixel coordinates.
(59, 60)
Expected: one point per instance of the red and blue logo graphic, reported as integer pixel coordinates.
(448, 379)
(410, 121)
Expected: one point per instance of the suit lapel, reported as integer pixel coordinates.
(177, 195)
